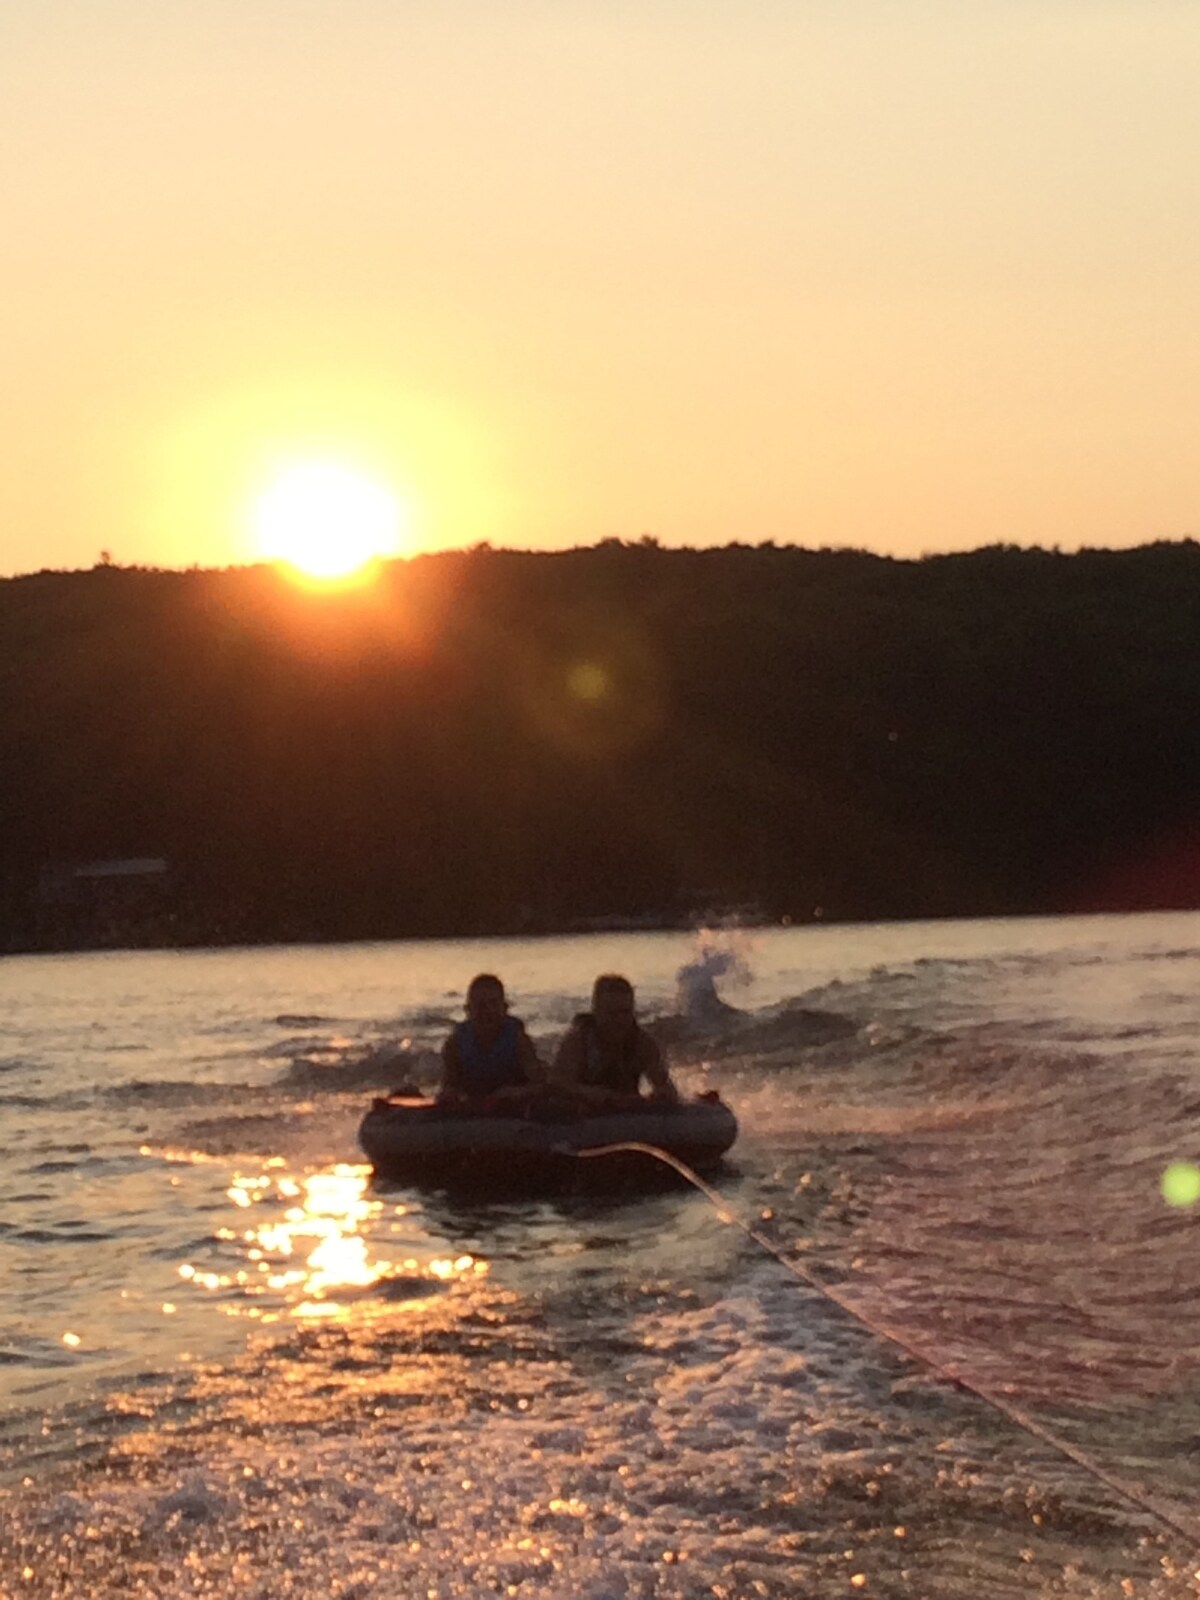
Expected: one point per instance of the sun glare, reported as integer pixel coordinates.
(326, 520)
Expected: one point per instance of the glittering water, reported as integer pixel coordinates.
(229, 1363)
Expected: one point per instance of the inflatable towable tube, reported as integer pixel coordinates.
(502, 1144)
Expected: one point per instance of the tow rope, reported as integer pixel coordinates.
(1128, 1492)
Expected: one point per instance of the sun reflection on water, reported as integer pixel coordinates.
(315, 1250)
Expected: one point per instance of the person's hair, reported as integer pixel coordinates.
(610, 983)
(483, 980)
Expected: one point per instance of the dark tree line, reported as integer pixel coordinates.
(490, 741)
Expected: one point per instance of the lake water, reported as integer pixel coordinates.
(961, 1357)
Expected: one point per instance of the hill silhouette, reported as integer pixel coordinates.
(492, 741)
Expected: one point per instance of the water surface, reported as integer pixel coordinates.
(230, 1363)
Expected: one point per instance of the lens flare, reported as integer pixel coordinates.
(1181, 1184)
(588, 681)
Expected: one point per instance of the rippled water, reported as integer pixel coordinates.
(229, 1363)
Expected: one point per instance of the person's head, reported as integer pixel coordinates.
(613, 1009)
(487, 1005)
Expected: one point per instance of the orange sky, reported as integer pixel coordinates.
(910, 275)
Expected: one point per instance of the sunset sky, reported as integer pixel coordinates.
(909, 276)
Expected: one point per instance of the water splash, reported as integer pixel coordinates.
(720, 953)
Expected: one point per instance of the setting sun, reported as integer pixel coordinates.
(326, 520)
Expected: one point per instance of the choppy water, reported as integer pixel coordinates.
(230, 1365)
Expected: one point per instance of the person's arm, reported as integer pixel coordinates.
(527, 1058)
(451, 1084)
(570, 1059)
(655, 1067)
(529, 1064)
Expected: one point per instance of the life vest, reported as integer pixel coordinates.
(486, 1070)
(617, 1068)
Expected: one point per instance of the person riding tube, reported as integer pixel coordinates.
(605, 1053)
(489, 1055)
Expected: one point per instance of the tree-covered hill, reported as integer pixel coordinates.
(490, 740)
